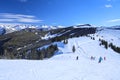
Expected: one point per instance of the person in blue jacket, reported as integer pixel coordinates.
(100, 59)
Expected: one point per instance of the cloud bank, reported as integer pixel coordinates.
(108, 6)
(114, 20)
(18, 18)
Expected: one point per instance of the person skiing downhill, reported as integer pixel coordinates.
(92, 58)
(100, 59)
(77, 58)
(104, 58)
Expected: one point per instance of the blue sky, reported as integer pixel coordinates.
(60, 12)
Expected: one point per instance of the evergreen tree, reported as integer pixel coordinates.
(42, 54)
(93, 38)
(106, 44)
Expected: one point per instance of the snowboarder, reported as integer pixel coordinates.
(100, 59)
(77, 58)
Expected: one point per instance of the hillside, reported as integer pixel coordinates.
(26, 42)
(63, 65)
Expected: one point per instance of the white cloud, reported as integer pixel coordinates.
(113, 0)
(8, 20)
(11, 23)
(18, 18)
(10, 15)
(28, 20)
(108, 6)
(114, 20)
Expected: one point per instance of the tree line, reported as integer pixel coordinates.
(32, 54)
(106, 45)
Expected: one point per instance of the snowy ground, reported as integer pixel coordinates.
(64, 66)
(110, 36)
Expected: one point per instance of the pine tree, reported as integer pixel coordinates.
(106, 44)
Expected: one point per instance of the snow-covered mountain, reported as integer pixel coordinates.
(64, 66)
(83, 26)
(12, 28)
(2, 31)
(116, 27)
(46, 27)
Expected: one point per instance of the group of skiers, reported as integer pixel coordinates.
(100, 59)
(93, 58)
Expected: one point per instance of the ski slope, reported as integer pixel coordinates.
(110, 35)
(64, 66)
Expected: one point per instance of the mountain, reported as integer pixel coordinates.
(12, 28)
(22, 41)
(2, 31)
(64, 63)
(46, 27)
(116, 27)
(83, 26)
(26, 39)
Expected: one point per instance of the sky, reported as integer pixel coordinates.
(60, 12)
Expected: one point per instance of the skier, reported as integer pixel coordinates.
(100, 59)
(92, 58)
(77, 58)
(104, 58)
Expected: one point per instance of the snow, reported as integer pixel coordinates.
(83, 26)
(48, 27)
(110, 35)
(16, 27)
(2, 31)
(64, 66)
(47, 36)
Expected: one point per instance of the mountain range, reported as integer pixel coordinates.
(5, 28)
(68, 53)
